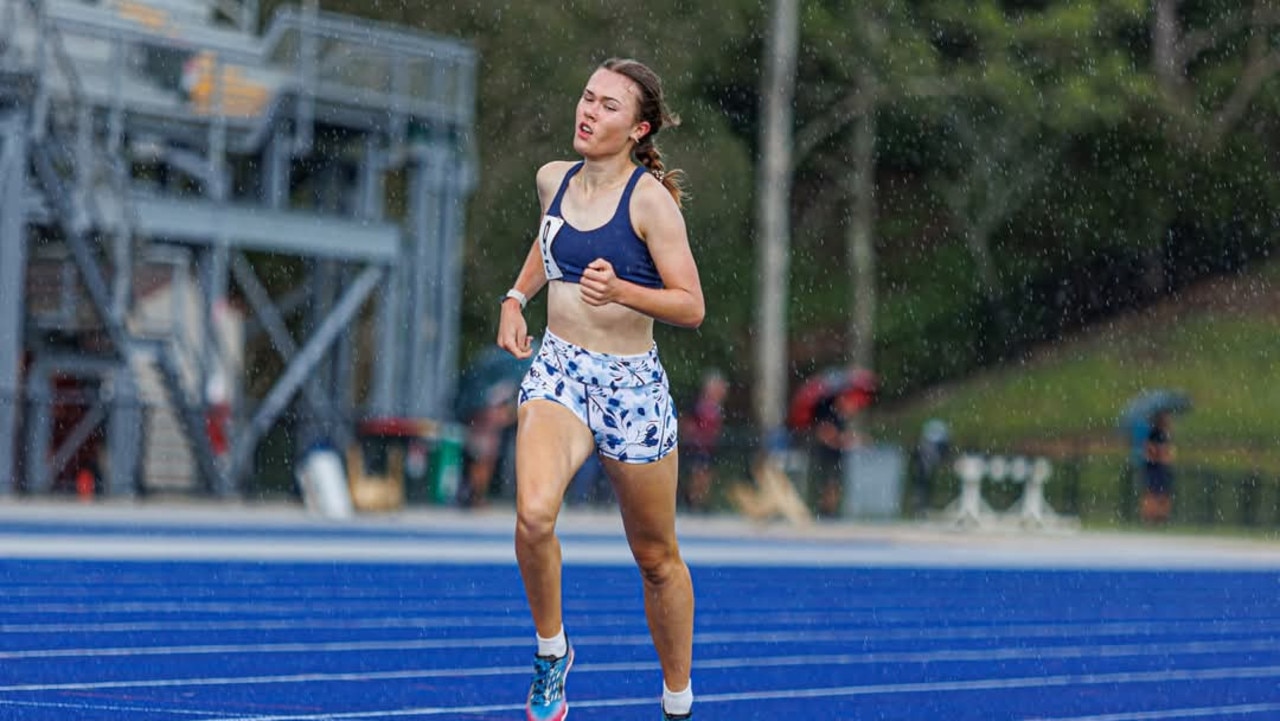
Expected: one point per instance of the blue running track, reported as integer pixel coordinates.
(134, 628)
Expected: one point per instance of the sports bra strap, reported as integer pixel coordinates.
(625, 202)
(554, 208)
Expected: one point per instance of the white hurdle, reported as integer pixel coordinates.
(970, 509)
(1030, 511)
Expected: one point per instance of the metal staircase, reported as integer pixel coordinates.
(154, 152)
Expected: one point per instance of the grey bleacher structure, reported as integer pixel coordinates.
(156, 156)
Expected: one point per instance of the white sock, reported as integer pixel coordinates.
(556, 646)
(677, 703)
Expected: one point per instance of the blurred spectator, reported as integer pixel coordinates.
(929, 456)
(1157, 496)
(485, 430)
(772, 494)
(1151, 486)
(833, 434)
(700, 431)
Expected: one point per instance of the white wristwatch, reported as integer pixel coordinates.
(521, 298)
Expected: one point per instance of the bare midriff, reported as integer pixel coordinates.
(613, 328)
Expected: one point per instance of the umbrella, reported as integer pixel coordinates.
(1135, 418)
(494, 371)
(1140, 409)
(829, 384)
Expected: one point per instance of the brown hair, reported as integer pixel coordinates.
(653, 110)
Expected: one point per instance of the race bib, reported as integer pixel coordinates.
(547, 231)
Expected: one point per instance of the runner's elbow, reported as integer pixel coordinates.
(688, 312)
(697, 312)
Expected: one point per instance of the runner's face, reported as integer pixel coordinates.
(606, 117)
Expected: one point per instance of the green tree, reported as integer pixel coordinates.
(1211, 60)
(1213, 63)
(1033, 79)
(862, 58)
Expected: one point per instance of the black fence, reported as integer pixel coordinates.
(1208, 496)
(1099, 488)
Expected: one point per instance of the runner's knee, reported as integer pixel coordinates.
(536, 518)
(658, 562)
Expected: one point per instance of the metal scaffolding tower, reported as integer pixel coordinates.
(172, 183)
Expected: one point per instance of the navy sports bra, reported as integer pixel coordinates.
(567, 251)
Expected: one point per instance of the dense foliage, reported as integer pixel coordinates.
(1040, 163)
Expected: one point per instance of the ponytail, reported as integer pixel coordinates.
(673, 180)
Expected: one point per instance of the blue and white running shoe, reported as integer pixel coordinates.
(546, 693)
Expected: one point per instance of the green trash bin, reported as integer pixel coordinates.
(446, 464)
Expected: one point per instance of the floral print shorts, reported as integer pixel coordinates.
(624, 399)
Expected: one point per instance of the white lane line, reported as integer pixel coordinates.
(361, 677)
(412, 622)
(479, 619)
(823, 660)
(1248, 709)
(107, 707)
(280, 648)
(850, 630)
(841, 629)
(253, 603)
(1234, 673)
(292, 624)
(1003, 684)
(705, 638)
(248, 605)
(847, 628)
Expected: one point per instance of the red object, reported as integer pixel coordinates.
(858, 383)
(84, 485)
(71, 400)
(395, 427)
(217, 421)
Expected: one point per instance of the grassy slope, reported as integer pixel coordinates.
(1217, 341)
